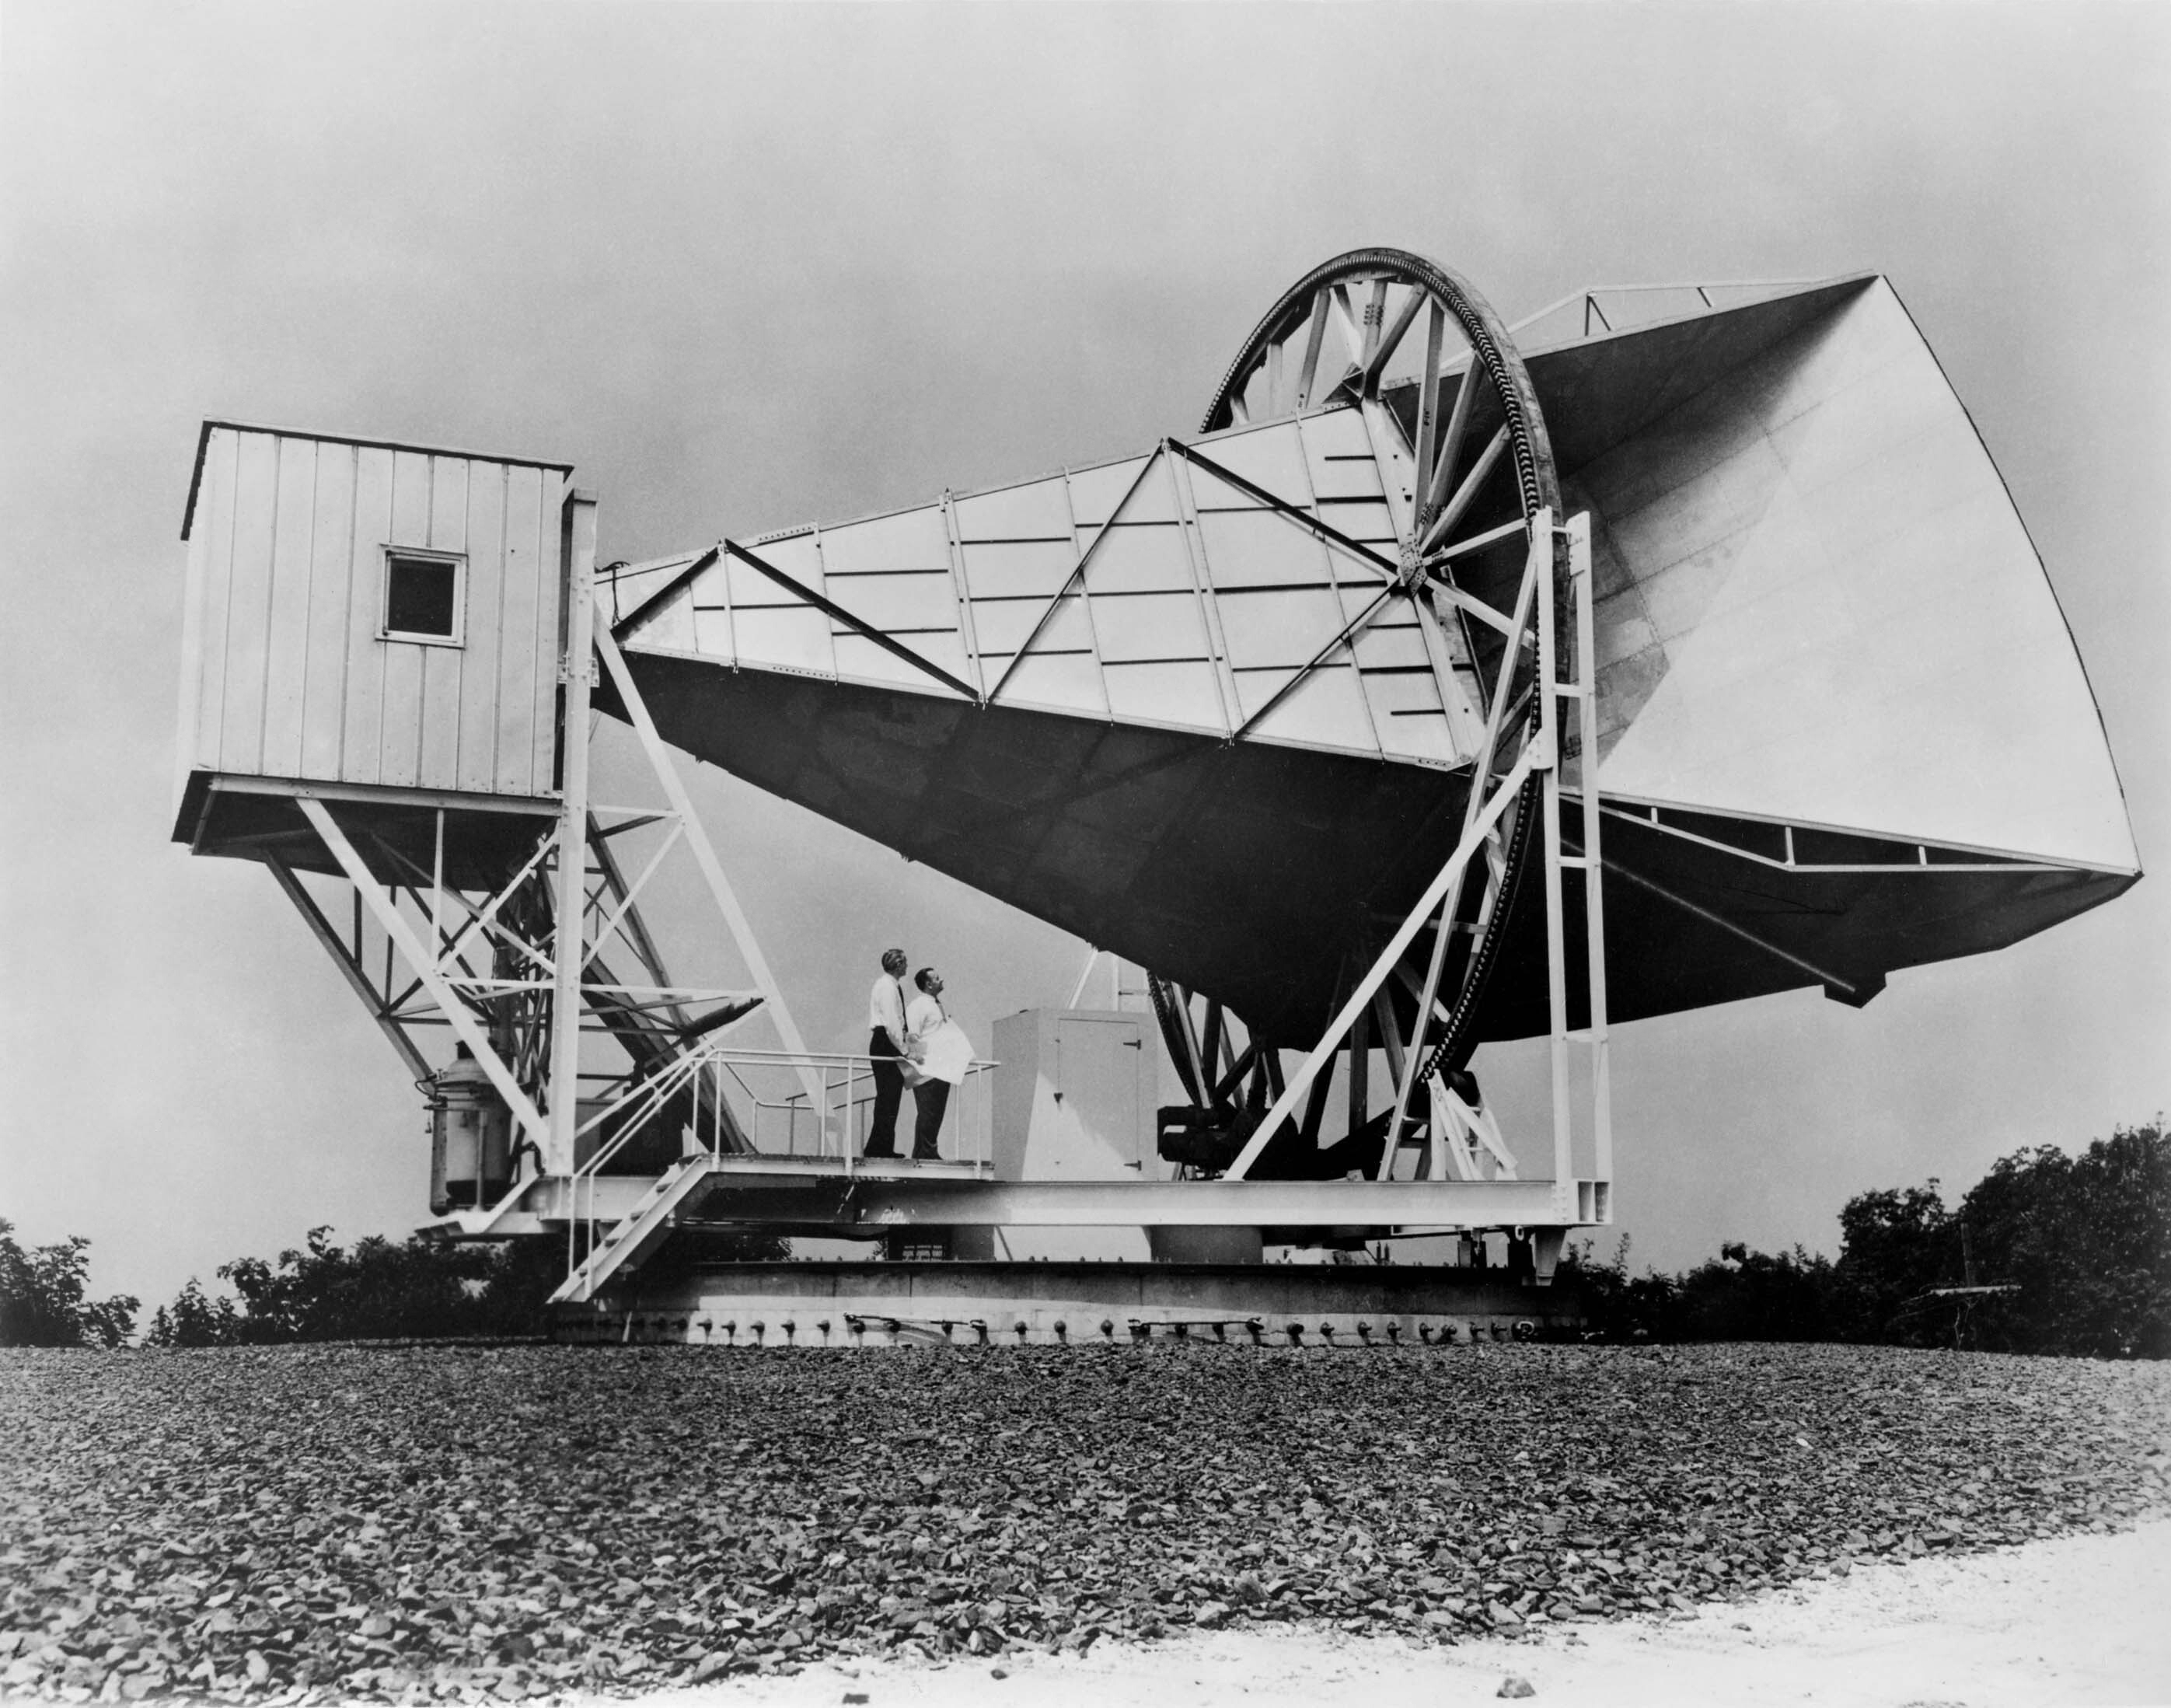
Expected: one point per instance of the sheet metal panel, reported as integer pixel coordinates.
(331, 569)
(528, 667)
(399, 744)
(1177, 695)
(361, 752)
(475, 758)
(286, 650)
(438, 762)
(1250, 546)
(248, 604)
(1033, 569)
(1819, 605)
(213, 520)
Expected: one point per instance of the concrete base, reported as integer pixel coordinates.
(854, 1304)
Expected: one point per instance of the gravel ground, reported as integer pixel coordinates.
(341, 1523)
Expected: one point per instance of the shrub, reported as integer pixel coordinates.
(193, 1320)
(2088, 1239)
(379, 1290)
(41, 1298)
(1894, 1245)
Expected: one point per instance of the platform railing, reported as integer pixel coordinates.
(767, 1096)
(754, 1086)
(765, 1093)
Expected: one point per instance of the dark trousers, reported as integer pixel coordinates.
(933, 1097)
(889, 1090)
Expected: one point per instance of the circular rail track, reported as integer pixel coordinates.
(1413, 344)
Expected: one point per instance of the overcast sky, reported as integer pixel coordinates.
(750, 266)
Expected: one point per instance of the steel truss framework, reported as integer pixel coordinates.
(1451, 1136)
(1470, 473)
(496, 966)
(1338, 336)
(1462, 1176)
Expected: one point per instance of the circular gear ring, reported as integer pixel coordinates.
(1459, 486)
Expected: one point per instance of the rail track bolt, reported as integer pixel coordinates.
(1063, 1334)
(1019, 1328)
(824, 1325)
(1182, 1330)
(979, 1331)
(1257, 1330)
(1221, 1331)
(754, 1329)
(791, 1330)
(1326, 1333)
(1395, 1333)
(1108, 1328)
(704, 1325)
(1364, 1333)
(730, 1330)
(1296, 1333)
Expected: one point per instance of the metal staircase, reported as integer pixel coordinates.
(643, 1228)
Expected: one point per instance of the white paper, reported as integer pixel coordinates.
(949, 1053)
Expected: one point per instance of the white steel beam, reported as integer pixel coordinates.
(457, 1014)
(578, 533)
(1379, 1204)
(1537, 563)
(704, 856)
(1549, 829)
(321, 929)
(1581, 578)
(755, 1188)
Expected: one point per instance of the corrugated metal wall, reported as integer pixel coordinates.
(287, 673)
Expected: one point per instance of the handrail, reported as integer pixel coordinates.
(843, 1074)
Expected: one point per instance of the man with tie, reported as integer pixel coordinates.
(887, 1038)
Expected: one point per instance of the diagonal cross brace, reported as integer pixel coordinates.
(704, 856)
(859, 625)
(1473, 839)
(1296, 514)
(457, 1013)
(1076, 578)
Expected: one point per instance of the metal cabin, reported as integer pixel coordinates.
(365, 621)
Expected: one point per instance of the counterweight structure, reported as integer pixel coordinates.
(1437, 692)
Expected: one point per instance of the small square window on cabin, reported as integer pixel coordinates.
(422, 597)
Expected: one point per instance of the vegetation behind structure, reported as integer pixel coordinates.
(2048, 1253)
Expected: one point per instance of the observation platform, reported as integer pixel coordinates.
(829, 1195)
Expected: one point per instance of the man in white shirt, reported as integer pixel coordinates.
(931, 1097)
(887, 1033)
